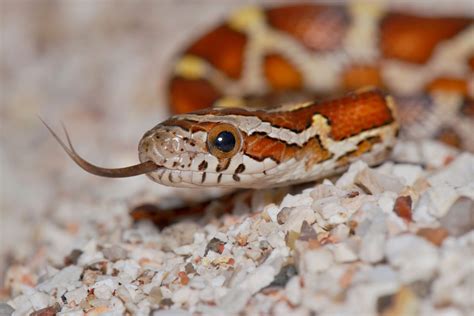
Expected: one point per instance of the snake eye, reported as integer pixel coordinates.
(224, 140)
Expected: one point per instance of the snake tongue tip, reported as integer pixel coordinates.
(130, 171)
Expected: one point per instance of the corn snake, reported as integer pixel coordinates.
(292, 55)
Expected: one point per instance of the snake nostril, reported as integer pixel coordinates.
(176, 144)
(161, 145)
(169, 145)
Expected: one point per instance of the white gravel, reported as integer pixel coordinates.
(347, 254)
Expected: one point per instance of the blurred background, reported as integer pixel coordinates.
(101, 68)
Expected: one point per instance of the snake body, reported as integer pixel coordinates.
(289, 144)
(245, 94)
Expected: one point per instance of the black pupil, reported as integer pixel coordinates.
(225, 141)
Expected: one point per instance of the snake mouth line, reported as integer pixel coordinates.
(125, 172)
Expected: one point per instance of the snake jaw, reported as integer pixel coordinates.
(130, 171)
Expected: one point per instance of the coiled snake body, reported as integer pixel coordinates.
(403, 70)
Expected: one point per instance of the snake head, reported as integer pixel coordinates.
(196, 150)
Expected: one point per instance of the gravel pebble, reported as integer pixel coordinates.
(416, 258)
(318, 260)
(6, 310)
(382, 240)
(115, 253)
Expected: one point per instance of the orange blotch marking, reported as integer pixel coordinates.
(355, 113)
(363, 147)
(413, 38)
(260, 146)
(318, 27)
(224, 48)
(348, 115)
(448, 84)
(315, 151)
(280, 74)
(186, 95)
(359, 76)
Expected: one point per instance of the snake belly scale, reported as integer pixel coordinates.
(295, 93)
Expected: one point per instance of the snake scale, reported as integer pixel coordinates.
(293, 93)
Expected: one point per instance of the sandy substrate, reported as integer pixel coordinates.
(395, 239)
